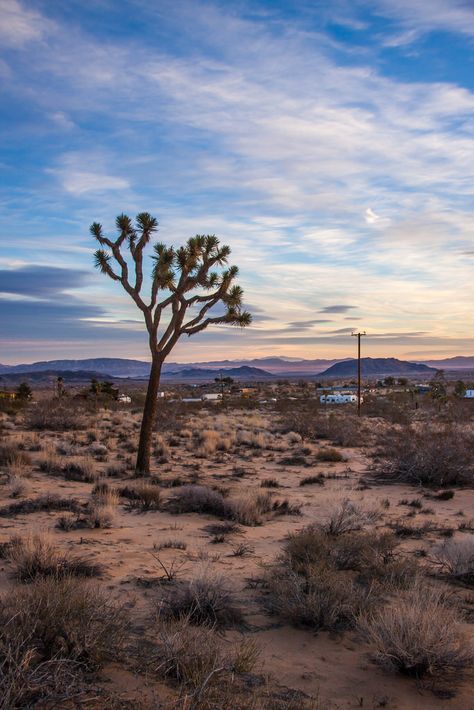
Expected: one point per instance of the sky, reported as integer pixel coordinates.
(331, 145)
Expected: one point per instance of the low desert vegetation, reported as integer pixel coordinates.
(418, 634)
(205, 600)
(52, 633)
(36, 556)
(432, 455)
(455, 559)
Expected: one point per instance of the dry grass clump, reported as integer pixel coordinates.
(417, 634)
(434, 455)
(11, 455)
(142, 496)
(205, 600)
(17, 486)
(83, 470)
(202, 664)
(56, 415)
(328, 453)
(455, 559)
(36, 556)
(52, 632)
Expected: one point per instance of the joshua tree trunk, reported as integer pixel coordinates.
(148, 421)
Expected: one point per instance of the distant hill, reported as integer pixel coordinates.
(460, 362)
(375, 367)
(117, 367)
(237, 373)
(49, 376)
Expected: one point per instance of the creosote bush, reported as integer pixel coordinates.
(434, 455)
(324, 580)
(417, 634)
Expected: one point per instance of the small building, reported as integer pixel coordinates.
(338, 399)
(212, 397)
(469, 394)
(8, 395)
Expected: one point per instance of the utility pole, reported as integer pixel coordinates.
(358, 335)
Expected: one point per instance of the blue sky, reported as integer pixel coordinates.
(330, 144)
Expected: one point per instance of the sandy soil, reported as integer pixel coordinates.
(336, 669)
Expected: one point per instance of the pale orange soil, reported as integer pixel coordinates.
(337, 669)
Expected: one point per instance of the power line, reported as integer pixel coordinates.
(358, 335)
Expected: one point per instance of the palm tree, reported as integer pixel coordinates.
(183, 290)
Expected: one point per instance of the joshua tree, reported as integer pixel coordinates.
(182, 291)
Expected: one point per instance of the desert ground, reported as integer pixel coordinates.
(208, 601)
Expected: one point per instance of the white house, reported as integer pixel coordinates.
(212, 397)
(338, 398)
(124, 399)
(469, 394)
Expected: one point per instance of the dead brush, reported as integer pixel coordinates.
(36, 556)
(205, 600)
(455, 560)
(45, 502)
(57, 619)
(432, 455)
(329, 454)
(200, 662)
(83, 470)
(418, 634)
(142, 497)
(11, 455)
(347, 515)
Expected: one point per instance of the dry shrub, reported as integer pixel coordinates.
(46, 502)
(455, 559)
(428, 455)
(417, 634)
(254, 439)
(203, 665)
(206, 599)
(17, 486)
(56, 415)
(324, 580)
(51, 633)
(200, 499)
(36, 556)
(327, 453)
(142, 496)
(321, 599)
(82, 470)
(97, 516)
(373, 555)
(11, 455)
(347, 516)
(104, 494)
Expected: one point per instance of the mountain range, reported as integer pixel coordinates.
(264, 367)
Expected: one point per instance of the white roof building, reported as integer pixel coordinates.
(338, 398)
